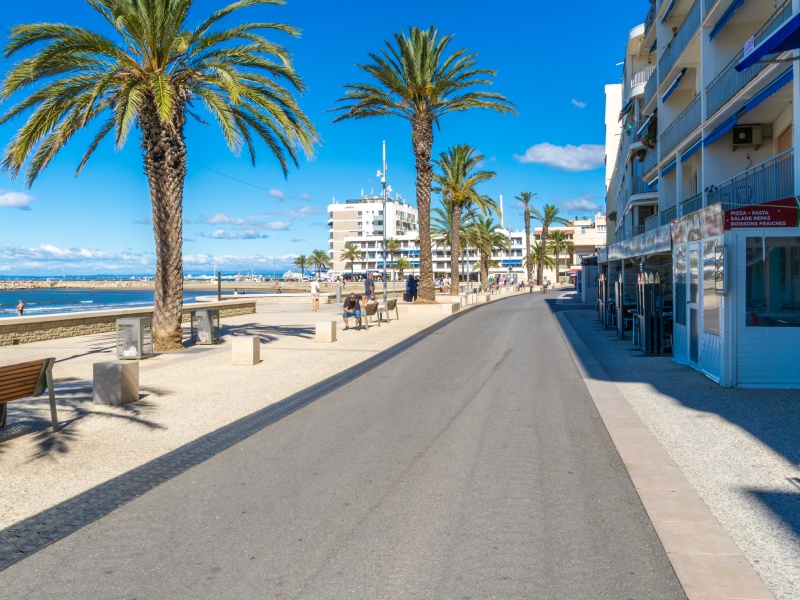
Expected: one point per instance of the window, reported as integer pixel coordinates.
(710, 296)
(601, 228)
(680, 285)
(772, 282)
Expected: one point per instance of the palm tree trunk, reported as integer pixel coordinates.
(455, 247)
(422, 143)
(484, 271)
(165, 166)
(528, 240)
(540, 266)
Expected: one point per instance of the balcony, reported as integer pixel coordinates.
(678, 44)
(681, 127)
(651, 223)
(708, 5)
(641, 78)
(637, 230)
(650, 19)
(728, 83)
(650, 160)
(690, 205)
(668, 215)
(771, 180)
(650, 90)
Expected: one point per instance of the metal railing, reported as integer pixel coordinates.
(651, 223)
(771, 180)
(637, 230)
(709, 4)
(642, 76)
(682, 126)
(691, 205)
(637, 185)
(678, 44)
(664, 217)
(650, 160)
(650, 89)
(730, 81)
(650, 19)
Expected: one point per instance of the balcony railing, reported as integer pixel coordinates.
(650, 19)
(637, 230)
(678, 44)
(650, 89)
(691, 205)
(642, 76)
(638, 186)
(651, 223)
(730, 81)
(709, 4)
(682, 126)
(771, 180)
(650, 160)
(668, 215)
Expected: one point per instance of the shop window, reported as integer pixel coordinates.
(680, 285)
(773, 282)
(710, 296)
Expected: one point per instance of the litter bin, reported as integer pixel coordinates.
(205, 326)
(134, 338)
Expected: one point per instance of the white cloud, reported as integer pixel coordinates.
(224, 234)
(300, 212)
(277, 194)
(47, 258)
(18, 200)
(587, 203)
(578, 103)
(251, 223)
(585, 157)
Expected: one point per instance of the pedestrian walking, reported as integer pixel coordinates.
(369, 287)
(20, 308)
(314, 295)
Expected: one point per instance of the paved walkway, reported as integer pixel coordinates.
(114, 455)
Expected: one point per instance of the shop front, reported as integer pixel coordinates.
(736, 277)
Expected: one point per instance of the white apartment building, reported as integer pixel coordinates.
(704, 189)
(361, 222)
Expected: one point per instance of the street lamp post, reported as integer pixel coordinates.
(382, 175)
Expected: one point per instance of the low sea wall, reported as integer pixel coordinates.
(23, 330)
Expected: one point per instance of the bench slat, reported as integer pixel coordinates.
(18, 392)
(9, 373)
(29, 364)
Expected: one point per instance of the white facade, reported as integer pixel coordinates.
(705, 187)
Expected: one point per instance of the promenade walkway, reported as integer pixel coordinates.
(197, 408)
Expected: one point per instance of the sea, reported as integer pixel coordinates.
(50, 301)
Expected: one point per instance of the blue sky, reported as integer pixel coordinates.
(551, 63)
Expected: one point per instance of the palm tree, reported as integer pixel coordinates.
(442, 225)
(320, 259)
(401, 265)
(525, 198)
(301, 262)
(351, 254)
(392, 247)
(414, 80)
(539, 256)
(560, 243)
(485, 235)
(456, 183)
(150, 76)
(548, 216)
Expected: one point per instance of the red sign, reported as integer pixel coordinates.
(780, 213)
(749, 46)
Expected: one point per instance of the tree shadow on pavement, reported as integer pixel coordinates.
(771, 416)
(31, 535)
(269, 333)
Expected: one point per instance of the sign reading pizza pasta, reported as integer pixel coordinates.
(780, 213)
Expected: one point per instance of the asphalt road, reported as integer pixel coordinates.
(490, 476)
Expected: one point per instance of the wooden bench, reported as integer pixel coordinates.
(25, 380)
(370, 310)
(391, 305)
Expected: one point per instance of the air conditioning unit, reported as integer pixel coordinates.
(743, 136)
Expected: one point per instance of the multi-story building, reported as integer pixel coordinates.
(704, 188)
(361, 222)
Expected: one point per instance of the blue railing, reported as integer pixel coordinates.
(678, 44)
(771, 180)
(681, 127)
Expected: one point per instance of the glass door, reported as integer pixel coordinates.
(693, 302)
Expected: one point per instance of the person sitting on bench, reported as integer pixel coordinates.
(352, 308)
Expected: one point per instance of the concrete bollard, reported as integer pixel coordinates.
(326, 331)
(464, 300)
(482, 298)
(115, 382)
(245, 350)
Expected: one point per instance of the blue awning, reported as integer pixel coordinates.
(626, 109)
(512, 262)
(720, 131)
(653, 47)
(735, 5)
(674, 85)
(668, 168)
(773, 87)
(669, 10)
(691, 150)
(783, 39)
(645, 124)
